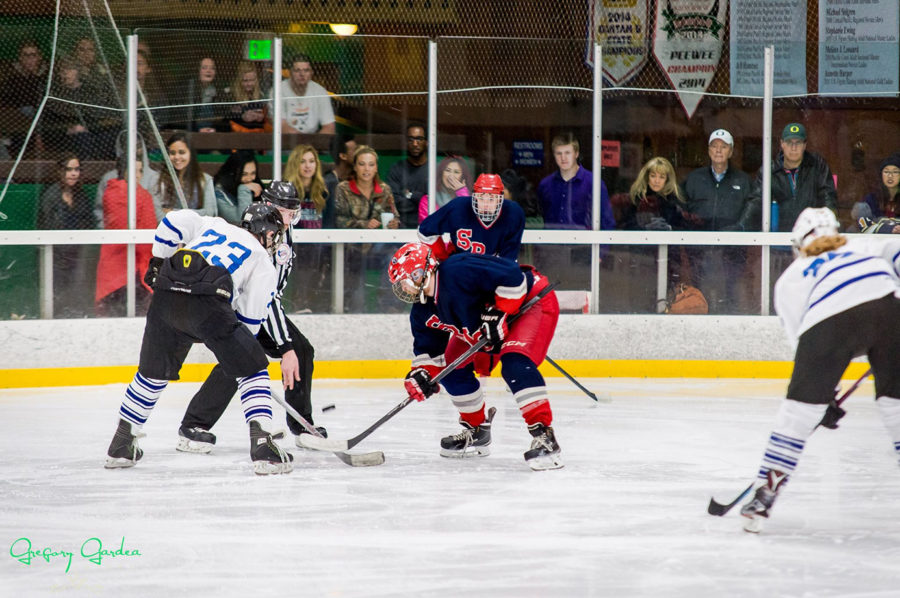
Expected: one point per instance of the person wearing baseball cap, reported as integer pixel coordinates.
(718, 200)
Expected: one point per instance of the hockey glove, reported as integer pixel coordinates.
(153, 271)
(418, 384)
(494, 328)
(831, 416)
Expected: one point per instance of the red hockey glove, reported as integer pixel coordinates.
(418, 384)
(494, 328)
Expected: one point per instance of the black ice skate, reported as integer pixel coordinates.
(320, 429)
(765, 496)
(123, 450)
(195, 440)
(471, 442)
(268, 458)
(544, 452)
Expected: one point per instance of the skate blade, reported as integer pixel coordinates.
(753, 525)
(546, 462)
(186, 445)
(481, 451)
(118, 463)
(267, 468)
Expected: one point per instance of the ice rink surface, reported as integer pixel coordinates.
(625, 517)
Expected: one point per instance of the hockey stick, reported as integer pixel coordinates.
(328, 444)
(361, 460)
(718, 509)
(571, 379)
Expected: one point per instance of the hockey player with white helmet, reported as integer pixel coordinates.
(213, 283)
(838, 300)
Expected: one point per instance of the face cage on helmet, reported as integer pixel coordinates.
(277, 238)
(408, 290)
(483, 215)
(295, 212)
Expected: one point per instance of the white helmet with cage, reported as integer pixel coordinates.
(811, 224)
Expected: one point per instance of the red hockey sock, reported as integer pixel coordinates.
(474, 419)
(538, 413)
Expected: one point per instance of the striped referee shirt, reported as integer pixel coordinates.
(276, 320)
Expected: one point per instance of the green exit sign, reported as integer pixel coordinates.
(259, 49)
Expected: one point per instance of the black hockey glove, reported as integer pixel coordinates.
(418, 384)
(494, 328)
(153, 271)
(831, 416)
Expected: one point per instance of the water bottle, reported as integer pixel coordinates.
(773, 226)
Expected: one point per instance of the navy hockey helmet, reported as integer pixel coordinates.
(260, 219)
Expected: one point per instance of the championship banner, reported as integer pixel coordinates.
(858, 47)
(687, 44)
(620, 27)
(755, 25)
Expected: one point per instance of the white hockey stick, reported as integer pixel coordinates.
(360, 460)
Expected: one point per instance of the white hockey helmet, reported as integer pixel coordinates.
(811, 224)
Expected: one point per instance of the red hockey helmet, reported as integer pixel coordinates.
(487, 197)
(409, 271)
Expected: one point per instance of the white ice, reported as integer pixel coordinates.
(625, 517)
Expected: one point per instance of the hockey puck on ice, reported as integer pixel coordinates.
(328, 407)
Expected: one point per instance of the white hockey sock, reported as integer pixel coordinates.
(140, 399)
(256, 398)
(793, 425)
(890, 413)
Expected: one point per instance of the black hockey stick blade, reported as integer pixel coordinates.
(719, 509)
(571, 378)
(329, 444)
(360, 460)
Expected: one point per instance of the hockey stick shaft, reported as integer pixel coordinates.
(328, 444)
(571, 378)
(363, 460)
(718, 509)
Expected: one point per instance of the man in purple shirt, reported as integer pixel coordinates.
(566, 194)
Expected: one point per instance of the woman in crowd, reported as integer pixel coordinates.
(65, 206)
(202, 94)
(198, 187)
(112, 275)
(884, 201)
(237, 185)
(453, 181)
(250, 116)
(657, 202)
(304, 170)
(360, 203)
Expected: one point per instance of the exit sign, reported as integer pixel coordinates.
(259, 49)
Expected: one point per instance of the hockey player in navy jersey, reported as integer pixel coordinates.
(457, 301)
(212, 284)
(837, 300)
(279, 337)
(483, 224)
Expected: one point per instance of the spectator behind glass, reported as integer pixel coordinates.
(306, 106)
(110, 298)
(65, 206)
(250, 116)
(884, 200)
(198, 187)
(567, 194)
(94, 75)
(237, 185)
(304, 171)
(800, 179)
(453, 180)
(201, 92)
(656, 200)
(408, 179)
(343, 147)
(22, 90)
(149, 180)
(518, 189)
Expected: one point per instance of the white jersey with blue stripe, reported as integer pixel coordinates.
(813, 289)
(230, 247)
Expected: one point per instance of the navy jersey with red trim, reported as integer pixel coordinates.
(465, 285)
(502, 237)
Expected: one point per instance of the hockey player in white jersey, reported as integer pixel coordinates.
(212, 284)
(838, 300)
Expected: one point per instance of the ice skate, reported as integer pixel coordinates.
(544, 452)
(320, 429)
(471, 442)
(765, 496)
(123, 450)
(195, 440)
(268, 458)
